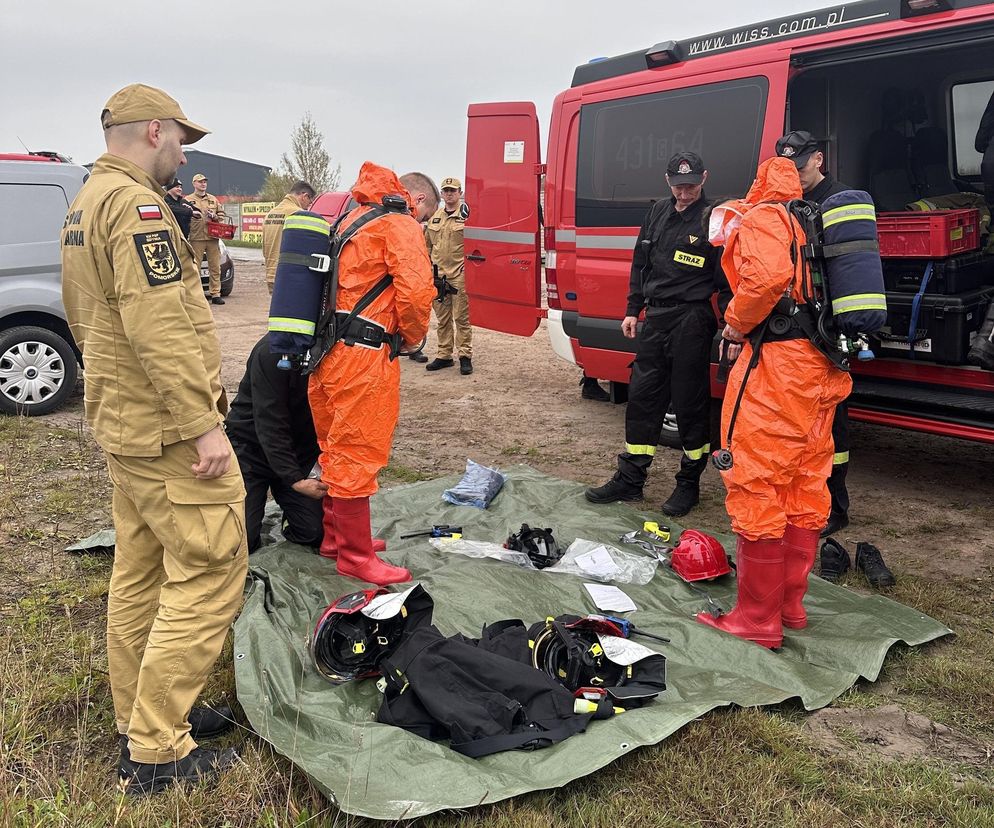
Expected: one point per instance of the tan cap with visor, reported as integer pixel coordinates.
(138, 102)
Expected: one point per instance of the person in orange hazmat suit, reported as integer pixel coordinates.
(778, 498)
(355, 391)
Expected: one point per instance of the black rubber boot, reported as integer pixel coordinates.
(835, 561)
(687, 493)
(837, 521)
(591, 390)
(201, 764)
(871, 562)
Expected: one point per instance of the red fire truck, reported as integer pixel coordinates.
(894, 88)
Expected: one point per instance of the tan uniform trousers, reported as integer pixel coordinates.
(179, 570)
(213, 262)
(453, 330)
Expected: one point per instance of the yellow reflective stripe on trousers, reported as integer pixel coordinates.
(313, 223)
(840, 457)
(697, 454)
(859, 302)
(631, 448)
(284, 324)
(850, 212)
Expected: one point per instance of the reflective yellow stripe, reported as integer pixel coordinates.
(859, 302)
(850, 212)
(922, 204)
(840, 457)
(314, 223)
(631, 448)
(697, 454)
(284, 324)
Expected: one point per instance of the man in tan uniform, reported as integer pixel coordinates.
(210, 210)
(443, 234)
(131, 289)
(300, 197)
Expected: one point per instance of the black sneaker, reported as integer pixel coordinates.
(613, 491)
(201, 764)
(684, 498)
(217, 300)
(418, 357)
(437, 364)
(835, 561)
(465, 366)
(869, 559)
(592, 390)
(837, 521)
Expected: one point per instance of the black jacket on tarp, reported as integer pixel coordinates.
(482, 702)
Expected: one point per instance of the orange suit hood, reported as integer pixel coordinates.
(776, 180)
(375, 181)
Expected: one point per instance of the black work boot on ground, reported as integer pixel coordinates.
(687, 493)
(217, 300)
(835, 561)
(418, 357)
(201, 764)
(871, 562)
(591, 390)
(837, 521)
(437, 364)
(614, 490)
(465, 366)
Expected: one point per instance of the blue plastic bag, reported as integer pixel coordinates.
(479, 485)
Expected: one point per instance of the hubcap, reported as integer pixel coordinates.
(31, 372)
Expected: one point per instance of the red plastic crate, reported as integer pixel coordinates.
(933, 234)
(220, 230)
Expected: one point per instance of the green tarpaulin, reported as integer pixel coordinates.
(383, 772)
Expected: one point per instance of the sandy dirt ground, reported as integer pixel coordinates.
(926, 501)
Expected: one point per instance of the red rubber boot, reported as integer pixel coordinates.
(799, 549)
(329, 545)
(356, 558)
(756, 615)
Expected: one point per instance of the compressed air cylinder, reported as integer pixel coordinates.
(297, 293)
(855, 280)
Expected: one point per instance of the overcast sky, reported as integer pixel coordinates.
(387, 81)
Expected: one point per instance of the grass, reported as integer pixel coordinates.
(240, 243)
(732, 768)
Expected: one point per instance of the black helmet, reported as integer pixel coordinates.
(357, 630)
(537, 544)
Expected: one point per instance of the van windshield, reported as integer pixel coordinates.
(624, 146)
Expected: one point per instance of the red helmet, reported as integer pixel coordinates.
(699, 556)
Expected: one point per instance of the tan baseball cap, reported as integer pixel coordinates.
(199, 177)
(138, 102)
(451, 184)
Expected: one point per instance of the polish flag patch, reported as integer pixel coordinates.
(149, 212)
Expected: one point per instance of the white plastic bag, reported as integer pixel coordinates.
(600, 562)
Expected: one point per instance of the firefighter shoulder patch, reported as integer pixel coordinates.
(158, 256)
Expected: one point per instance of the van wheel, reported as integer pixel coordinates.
(38, 370)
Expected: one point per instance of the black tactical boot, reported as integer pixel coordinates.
(614, 490)
(465, 366)
(205, 723)
(871, 562)
(144, 778)
(837, 521)
(437, 364)
(592, 390)
(835, 561)
(418, 357)
(687, 493)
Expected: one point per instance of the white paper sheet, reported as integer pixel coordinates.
(610, 598)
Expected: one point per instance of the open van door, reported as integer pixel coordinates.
(501, 238)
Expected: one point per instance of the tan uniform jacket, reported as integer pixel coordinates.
(272, 234)
(205, 203)
(443, 234)
(137, 311)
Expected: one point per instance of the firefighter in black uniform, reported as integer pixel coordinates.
(674, 274)
(271, 430)
(803, 150)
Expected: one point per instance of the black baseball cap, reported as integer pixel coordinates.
(797, 146)
(685, 168)
(174, 183)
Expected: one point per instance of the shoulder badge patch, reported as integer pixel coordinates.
(158, 257)
(147, 212)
